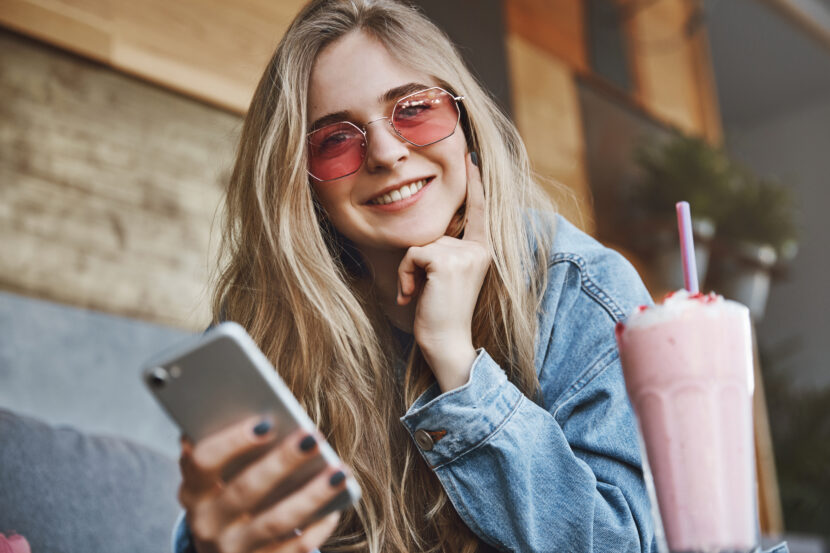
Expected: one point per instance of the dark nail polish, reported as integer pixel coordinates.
(474, 158)
(337, 478)
(262, 428)
(307, 443)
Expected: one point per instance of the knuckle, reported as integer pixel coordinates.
(276, 463)
(202, 462)
(202, 530)
(228, 541)
(237, 494)
(459, 262)
(203, 520)
(198, 459)
(273, 525)
(483, 256)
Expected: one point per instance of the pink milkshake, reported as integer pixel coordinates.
(689, 374)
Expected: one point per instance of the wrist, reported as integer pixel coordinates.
(452, 368)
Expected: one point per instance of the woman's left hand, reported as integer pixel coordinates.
(452, 271)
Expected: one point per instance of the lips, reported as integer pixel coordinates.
(398, 192)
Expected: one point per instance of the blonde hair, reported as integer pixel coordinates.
(292, 280)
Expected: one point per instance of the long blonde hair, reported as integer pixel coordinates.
(292, 280)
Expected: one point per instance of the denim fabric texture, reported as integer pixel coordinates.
(561, 472)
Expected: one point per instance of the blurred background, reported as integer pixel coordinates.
(119, 121)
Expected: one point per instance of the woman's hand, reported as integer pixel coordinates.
(452, 272)
(226, 517)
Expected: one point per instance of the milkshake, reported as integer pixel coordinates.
(689, 374)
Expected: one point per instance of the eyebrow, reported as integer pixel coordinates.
(390, 95)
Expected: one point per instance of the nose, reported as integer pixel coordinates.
(385, 149)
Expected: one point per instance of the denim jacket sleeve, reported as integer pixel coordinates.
(562, 473)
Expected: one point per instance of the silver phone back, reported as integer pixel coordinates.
(221, 378)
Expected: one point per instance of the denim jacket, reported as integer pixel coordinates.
(563, 474)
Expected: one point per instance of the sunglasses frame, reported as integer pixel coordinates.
(388, 118)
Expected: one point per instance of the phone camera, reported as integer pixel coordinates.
(158, 377)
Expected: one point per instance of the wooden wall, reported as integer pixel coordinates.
(108, 186)
(208, 49)
(547, 49)
(672, 69)
(214, 51)
(546, 112)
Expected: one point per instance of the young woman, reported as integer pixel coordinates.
(389, 251)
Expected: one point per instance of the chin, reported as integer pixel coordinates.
(420, 238)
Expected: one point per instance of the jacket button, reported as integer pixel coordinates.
(423, 439)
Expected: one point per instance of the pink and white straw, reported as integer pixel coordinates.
(687, 246)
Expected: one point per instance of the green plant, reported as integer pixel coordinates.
(745, 208)
(681, 168)
(759, 210)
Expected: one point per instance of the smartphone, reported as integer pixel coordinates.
(220, 378)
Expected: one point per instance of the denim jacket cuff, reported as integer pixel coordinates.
(181, 538)
(445, 426)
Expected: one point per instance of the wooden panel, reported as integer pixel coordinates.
(82, 27)
(554, 26)
(546, 108)
(210, 49)
(108, 187)
(666, 66)
(704, 76)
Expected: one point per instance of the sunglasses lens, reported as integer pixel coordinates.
(335, 151)
(426, 117)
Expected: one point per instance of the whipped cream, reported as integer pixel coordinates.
(678, 304)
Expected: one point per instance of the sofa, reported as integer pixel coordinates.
(87, 458)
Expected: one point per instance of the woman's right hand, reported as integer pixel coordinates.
(226, 517)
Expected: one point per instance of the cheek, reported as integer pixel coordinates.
(330, 196)
(454, 161)
(458, 174)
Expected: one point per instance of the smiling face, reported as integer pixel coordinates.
(357, 78)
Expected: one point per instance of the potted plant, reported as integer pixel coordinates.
(679, 168)
(756, 234)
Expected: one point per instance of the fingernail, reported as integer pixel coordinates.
(337, 478)
(307, 443)
(474, 158)
(263, 427)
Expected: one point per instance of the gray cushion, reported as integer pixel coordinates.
(68, 491)
(73, 366)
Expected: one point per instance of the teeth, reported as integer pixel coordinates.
(401, 193)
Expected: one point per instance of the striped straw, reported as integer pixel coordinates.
(687, 246)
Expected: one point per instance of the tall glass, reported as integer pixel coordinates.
(689, 374)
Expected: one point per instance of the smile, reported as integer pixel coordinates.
(400, 193)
